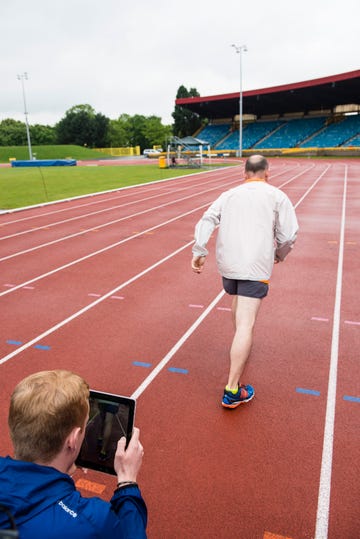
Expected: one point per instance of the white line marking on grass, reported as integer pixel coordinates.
(159, 367)
(91, 305)
(322, 517)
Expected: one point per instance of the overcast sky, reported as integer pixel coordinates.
(131, 57)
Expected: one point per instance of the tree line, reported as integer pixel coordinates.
(83, 126)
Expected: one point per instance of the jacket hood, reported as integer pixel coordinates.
(27, 488)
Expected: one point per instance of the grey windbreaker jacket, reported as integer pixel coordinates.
(257, 224)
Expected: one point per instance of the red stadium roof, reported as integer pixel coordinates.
(317, 94)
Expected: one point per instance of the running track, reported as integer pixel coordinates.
(103, 286)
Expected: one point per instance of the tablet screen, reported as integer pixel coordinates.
(110, 418)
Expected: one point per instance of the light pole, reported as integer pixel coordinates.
(21, 78)
(239, 50)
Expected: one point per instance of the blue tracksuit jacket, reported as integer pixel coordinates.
(45, 504)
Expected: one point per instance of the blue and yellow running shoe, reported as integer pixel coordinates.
(243, 394)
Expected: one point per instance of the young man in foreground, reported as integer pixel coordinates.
(257, 228)
(48, 414)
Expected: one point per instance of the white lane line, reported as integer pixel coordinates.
(104, 210)
(96, 302)
(60, 268)
(159, 367)
(103, 250)
(91, 305)
(82, 232)
(108, 294)
(143, 386)
(322, 516)
(311, 187)
(137, 187)
(98, 227)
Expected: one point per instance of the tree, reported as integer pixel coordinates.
(186, 122)
(101, 126)
(117, 135)
(135, 129)
(42, 134)
(155, 133)
(82, 126)
(12, 133)
(138, 130)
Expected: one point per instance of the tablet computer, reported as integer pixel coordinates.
(110, 418)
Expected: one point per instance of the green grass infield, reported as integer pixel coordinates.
(21, 187)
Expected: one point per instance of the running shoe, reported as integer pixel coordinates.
(232, 400)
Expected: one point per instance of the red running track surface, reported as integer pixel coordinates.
(103, 286)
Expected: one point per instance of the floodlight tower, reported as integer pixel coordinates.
(21, 78)
(239, 50)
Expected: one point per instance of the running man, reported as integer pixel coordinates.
(257, 228)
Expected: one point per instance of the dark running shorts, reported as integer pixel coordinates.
(250, 289)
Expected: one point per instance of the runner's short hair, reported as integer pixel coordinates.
(44, 408)
(256, 163)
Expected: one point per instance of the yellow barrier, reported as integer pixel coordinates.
(120, 152)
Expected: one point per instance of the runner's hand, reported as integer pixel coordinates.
(197, 263)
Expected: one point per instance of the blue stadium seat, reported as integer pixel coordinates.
(252, 133)
(354, 141)
(293, 132)
(335, 134)
(213, 133)
(296, 132)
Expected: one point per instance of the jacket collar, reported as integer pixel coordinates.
(255, 180)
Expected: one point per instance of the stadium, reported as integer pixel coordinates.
(316, 117)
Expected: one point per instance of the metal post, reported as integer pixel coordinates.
(21, 78)
(239, 50)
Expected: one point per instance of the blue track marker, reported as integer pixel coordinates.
(180, 371)
(308, 391)
(141, 364)
(14, 343)
(351, 399)
(42, 347)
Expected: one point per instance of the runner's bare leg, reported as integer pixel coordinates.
(244, 312)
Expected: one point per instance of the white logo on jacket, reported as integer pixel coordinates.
(67, 509)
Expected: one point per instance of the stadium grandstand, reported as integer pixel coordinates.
(317, 117)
